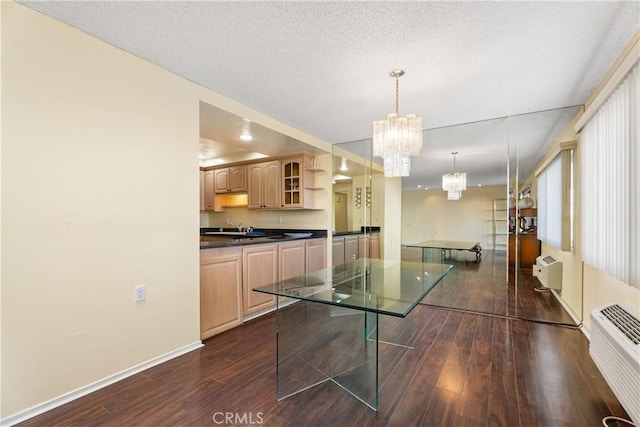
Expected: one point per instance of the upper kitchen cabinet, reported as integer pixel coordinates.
(298, 182)
(264, 185)
(209, 191)
(203, 206)
(232, 179)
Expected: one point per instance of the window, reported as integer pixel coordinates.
(610, 177)
(555, 198)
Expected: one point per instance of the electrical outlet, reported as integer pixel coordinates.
(141, 293)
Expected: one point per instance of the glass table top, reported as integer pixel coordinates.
(445, 244)
(379, 286)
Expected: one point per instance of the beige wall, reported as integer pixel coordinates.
(601, 289)
(584, 287)
(99, 165)
(571, 293)
(428, 215)
(99, 194)
(392, 228)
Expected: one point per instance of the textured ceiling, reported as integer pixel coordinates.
(322, 67)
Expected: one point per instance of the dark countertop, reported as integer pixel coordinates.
(372, 229)
(267, 235)
(259, 236)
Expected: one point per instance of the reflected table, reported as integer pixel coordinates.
(330, 323)
(442, 246)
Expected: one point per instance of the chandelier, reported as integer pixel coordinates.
(454, 183)
(397, 138)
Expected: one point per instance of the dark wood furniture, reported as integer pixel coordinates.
(529, 245)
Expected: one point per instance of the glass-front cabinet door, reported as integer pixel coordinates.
(292, 183)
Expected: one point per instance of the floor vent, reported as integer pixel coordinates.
(615, 349)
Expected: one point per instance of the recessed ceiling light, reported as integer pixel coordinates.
(246, 131)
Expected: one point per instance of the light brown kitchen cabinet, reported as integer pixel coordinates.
(316, 255)
(220, 290)
(209, 191)
(231, 180)
(298, 182)
(337, 251)
(369, 245)
(259, 268)
(264, 185)
(291, 259)
(203, 206)
(350, 248)
(364, 242)
(374, 245)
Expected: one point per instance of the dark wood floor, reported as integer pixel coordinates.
(482, 287)
(466, 370)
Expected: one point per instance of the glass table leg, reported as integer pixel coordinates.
(318, 343)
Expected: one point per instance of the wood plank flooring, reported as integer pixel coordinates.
(466, 370)
(482, 287)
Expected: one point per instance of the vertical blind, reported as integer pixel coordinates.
(550, 203)
(610, 163)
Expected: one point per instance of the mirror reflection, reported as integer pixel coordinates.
(489, 231)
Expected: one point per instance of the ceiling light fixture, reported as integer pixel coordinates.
(246, 132)
(343, 165)
(397, 138)
(454, 183)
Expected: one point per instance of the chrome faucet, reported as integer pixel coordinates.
(239, 225)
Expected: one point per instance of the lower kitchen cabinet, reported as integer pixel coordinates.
(374, 246)
(316, 255)
(259, 268)
(369, 245)
(228, 275)
(364, 241)
(350, 248)
(291, 259)
(220, 290)
(337, 251)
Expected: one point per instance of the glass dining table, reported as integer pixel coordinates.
(330, 324)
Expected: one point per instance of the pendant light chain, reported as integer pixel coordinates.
(397, 93)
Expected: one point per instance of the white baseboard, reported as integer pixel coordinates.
(97, 385)
(566, 306)
(586, 331)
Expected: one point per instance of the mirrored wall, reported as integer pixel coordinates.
(497, 211)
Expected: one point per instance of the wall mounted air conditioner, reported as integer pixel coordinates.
(615, 349)
(548, 270)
